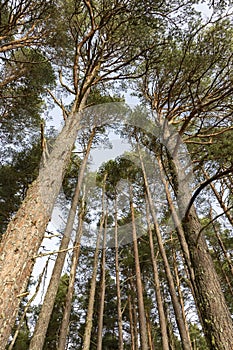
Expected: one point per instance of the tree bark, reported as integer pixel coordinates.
(216, 318)
(25, 232)
(38, 338)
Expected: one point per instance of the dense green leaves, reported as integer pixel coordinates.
(15, 177)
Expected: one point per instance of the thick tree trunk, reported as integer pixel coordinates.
(68, 303)
(38, 338)
(25, 232)
(118, 288)
(141, 308)
(216, 318)
(159, 300)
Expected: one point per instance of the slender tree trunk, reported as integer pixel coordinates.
(178, 225)
(150, 339)
(141, 308)
(90, 310)
(181, 236)
(175, 301)
(25, 232)
(134, 312)
(118, 288)
(131, 321)
(177, 278)
(38, 338)
(159, 300)
(68, 303)
(102, 289)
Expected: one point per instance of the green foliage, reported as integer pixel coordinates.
(15, 177)
(98, 97)
(23, 340)
(71, 176)
(27, 77)
(197, 338)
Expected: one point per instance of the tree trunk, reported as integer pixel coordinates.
(25, 232)
(159, 300)
(90, 310)
(118, 288)
(177, 278)
(68, 303)
(38, 338)
(102, 289)
(141, 308)
(134, 313)
(131, 321)
(216, 318)
(150, 339)
(178, 225)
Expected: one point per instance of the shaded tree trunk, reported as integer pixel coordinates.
(38, 338)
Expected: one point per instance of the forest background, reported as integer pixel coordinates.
(137, 254)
